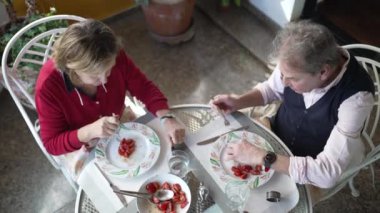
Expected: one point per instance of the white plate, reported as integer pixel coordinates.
(147, 150)
(222, 167)
(147, 207)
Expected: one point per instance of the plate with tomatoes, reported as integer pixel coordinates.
(229, 170)
(130, 152)
(180, 203)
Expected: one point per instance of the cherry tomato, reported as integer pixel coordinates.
(151, 188)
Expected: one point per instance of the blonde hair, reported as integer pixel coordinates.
(89, 47)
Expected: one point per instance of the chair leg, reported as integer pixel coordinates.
(354, 191)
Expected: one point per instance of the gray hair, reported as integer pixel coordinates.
(307, 46)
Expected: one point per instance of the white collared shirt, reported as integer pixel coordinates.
(344, 147)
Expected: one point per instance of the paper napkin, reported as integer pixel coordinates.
(98, 190)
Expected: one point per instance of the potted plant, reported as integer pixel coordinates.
(169, 21)
(26, 73)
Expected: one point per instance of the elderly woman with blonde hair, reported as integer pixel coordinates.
(80, 92)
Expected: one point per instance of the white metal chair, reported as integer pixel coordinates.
(19, 78)
(369, 57)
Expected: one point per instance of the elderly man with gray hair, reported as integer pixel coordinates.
(326, 97)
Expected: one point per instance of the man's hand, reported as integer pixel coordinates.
(226, 103)
(245, 153)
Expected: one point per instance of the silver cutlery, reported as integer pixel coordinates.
(160, 194)
(221, 113)
(213, 139)
(121, 197)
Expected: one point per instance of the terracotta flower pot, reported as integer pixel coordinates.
(169, 17)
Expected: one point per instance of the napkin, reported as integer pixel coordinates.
(212, 129)
(98, 190)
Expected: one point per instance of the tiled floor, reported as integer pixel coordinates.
(214, 61)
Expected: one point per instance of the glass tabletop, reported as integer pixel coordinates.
(196, 116)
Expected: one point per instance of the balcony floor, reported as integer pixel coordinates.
(220, 58)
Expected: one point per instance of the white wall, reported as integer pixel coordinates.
(280, 11)
(3, 15)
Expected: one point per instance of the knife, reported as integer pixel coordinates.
(213, 139)
(121, 197)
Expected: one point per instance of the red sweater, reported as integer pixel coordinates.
(61, 112)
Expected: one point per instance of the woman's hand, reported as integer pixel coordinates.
(175, 130)
(101, 128)
(245, 153)
(226, 103)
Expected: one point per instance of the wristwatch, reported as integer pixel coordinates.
(166, 116)
(269, 159)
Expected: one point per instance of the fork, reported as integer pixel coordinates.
(226, 122)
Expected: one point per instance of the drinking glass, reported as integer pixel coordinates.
(237, 194)
(179, 163)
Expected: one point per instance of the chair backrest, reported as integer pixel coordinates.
(21, 74)
(369, 57)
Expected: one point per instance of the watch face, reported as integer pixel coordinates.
(269, 159)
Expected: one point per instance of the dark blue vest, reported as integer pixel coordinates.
(305, 131)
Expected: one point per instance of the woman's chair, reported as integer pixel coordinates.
(369, 57)
(21, 74)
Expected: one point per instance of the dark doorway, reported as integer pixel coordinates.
(352, 21)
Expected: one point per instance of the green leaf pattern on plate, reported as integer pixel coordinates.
(146, 164)
(136, 172)
(154, 140)
(121, 172)
(99, 152)
(256, 182)
(232, 136)
(216, 164)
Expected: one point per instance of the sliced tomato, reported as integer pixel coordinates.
(244, 176)
(247, 168)
(234, 168)
(151, 188)
(176, 187)
(255, 172)
(163, 206)
(184, 204)
(266, 169)
(238, 173)
(166, 185)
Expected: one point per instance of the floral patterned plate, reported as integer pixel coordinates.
(145, 155)
(222, 167)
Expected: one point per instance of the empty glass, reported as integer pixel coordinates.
(179, 163)
(237, 194)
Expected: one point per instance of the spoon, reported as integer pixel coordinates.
(161, 194)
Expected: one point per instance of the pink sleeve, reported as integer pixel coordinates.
(272, 89)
